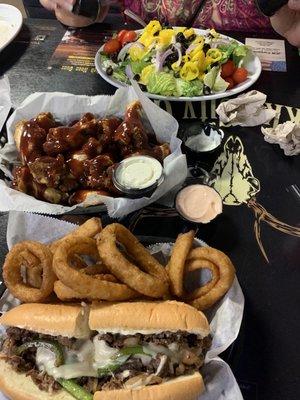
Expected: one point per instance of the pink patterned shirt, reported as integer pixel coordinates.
(235, 15)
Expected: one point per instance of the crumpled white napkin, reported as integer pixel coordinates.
(287, 135)
(5, 101)
(245, 110)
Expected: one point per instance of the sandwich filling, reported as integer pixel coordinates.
(105, 361)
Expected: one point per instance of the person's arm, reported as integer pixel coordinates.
(286, 22)
(63, 12)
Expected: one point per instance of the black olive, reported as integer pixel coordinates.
(180, 37)
(177, 75)
(215, 64)
(136, 77)
(109, 70)
(206, 90)
(114, 57)
(156, 33)
(206, 47)
(143, 87)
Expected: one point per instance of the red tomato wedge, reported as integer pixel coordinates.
(112, 46)
(227, 69)
(240, 75)
(121, 34)
(129, 36)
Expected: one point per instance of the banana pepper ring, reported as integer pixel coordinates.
(189, 71)
(146, 275)
(214, 54)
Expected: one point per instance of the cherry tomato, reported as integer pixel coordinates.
(130, 36)
(112, 46)
(121, 34)
(230, 81)
(227, 69)
(240, 75)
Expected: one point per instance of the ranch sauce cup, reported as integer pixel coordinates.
(138, 176)
(198, 203)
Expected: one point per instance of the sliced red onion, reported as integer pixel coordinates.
(125, 49)
(161, 58)
(129, 72)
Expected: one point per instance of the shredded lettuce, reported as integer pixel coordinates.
(189, 88)
(120, 75)
(162, 83)
(138, 66)
(214, 80)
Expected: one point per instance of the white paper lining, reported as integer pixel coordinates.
(225, 317)
(68, 107)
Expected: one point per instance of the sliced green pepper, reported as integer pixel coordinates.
(53, 346)
(131, 351)
(75, 390)
(120, 359)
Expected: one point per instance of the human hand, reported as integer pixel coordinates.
(286, 22)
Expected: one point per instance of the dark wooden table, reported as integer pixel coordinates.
(265, 357)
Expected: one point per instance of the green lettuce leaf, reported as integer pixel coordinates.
(214, 80)
(162, 83)
(120, 75)
(189, 88)
(239, 54)
(138, 66)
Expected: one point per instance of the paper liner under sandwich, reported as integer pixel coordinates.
(68, 107)
(224, 318)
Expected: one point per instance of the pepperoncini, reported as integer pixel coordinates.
(199, 40)
(136, 53)
(153, 27)
(165, 37)
(189, 71)
(175, 66)
(189, 32)
(186, 58)
(214, 54)
(145, 74)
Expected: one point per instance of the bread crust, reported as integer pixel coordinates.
(188, 388)
(147, 317)
(20, 387)
(52, 319)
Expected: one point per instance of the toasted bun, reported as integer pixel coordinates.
(20, 387)
(148, 318)
(51, 319)
(186, 387)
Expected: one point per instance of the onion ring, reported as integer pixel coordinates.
(194, 265)
(89, 229)
(65, 293)
(176, 265)
(33, 272)
(12, 272)
(148, 276)
(85, 285)
(226, 272)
